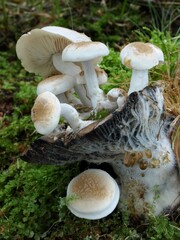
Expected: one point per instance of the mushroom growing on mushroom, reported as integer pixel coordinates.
(95, 194)
(85, 53)
(47, 110)
(143, 130)
(140, 57)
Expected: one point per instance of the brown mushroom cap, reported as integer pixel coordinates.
(46, 112)
(141, 56)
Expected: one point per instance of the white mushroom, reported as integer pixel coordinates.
(140, 57)
(36, 48)
(75, 71)
(85, 53)
(60, 85)
(47, 110)
(96, 194)
(117, 95)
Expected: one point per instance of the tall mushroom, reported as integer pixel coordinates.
(85, 53)
(140, 57)
(95, 194)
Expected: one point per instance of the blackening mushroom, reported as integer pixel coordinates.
(95, 194)
(140, 57)
(143, 130)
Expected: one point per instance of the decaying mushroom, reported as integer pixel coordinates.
(95, 194)
(140, 57)
(141, 128)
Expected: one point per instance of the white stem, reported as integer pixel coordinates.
(62, 98)
(95, 93)
(72, 117)
(72, 99)
(139, 80)
(82, 93)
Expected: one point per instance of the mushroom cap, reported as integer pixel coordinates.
(114, 93)
(35, 49)
(84, 51)
(141, 56)
(46, 112)
(56, 84)
(96, 194)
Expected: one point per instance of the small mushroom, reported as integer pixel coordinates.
(85, 53)
(117, 95)
(37, 48)
(47, 110)
(140, 57)
(95, 194)
(60, 85)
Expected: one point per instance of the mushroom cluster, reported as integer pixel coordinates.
(68, 62)
(135, 138)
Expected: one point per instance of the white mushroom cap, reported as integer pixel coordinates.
(36, 48)
(84, 51)
(96, 194)
(114, 93)
(56, 84)
(46, 112)
(141, 56)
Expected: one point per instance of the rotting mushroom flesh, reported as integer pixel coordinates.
(143, 130)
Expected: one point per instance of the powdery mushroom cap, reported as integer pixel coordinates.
(46, 112)
(36, 48)
(96, 194)
(141, 56)
(56, 84)
(84, 51)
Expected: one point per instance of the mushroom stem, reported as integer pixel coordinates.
(139, 80)
(72, 117)
(95, 93)
(82, 93)
(73, 70)
(62, 98)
